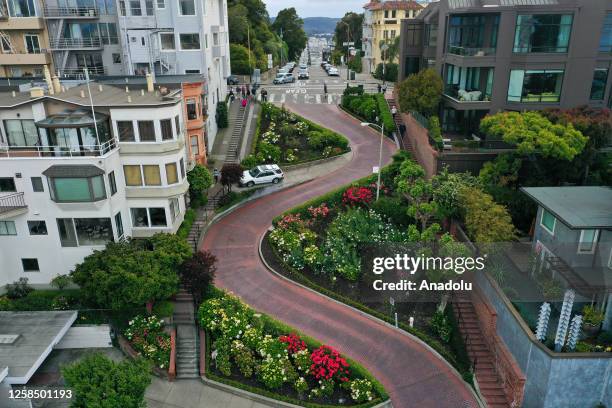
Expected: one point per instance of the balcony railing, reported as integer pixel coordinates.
(79, 73)
(67, 43)
(58, 151)
(12, 202)
(471, 51)
(71, 12)
(463, 95)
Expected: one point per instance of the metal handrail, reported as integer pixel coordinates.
(88, 42)
(471, 51)
(86, 11)
(58, 151)
(11, 202)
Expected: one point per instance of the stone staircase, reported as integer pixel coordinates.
(404, 141)
(188, 344)
(481, 356)
(233, 153)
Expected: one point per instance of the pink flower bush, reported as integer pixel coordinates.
(319, 212)
(327, 363)
(292, 221)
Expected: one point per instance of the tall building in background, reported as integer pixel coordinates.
(169, 37)
(381, 24)
(24, 43)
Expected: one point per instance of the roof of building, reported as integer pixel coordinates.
(578, 207)
(73, 170)
(37, 333)
(461, 4)
(393, 5)
(71, 118)
(102, 95)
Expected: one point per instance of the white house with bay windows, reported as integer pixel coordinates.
(72, 180)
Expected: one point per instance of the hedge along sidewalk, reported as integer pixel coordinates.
(393, 136)
(370, 314)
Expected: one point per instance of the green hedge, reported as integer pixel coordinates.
(385, 113)
(274, 326)
(183, 231)
(366, 107)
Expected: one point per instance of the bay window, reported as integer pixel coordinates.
(148, 217)
(21, 132)
(171, 173)
(76, 189)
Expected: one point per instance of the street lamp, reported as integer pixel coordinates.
(382, 135)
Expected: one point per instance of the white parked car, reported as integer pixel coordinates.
(333, 71)
(266, 173)
(283, 78)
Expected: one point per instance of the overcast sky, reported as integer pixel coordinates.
(316, 8)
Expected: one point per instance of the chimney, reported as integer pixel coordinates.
(149, 83)
(47, 75)
(57, 87)
(37, 92)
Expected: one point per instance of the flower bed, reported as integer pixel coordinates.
(147, 336)
(284, 137)
(317, 244)
(256, 353)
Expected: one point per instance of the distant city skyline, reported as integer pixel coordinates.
(316, 8)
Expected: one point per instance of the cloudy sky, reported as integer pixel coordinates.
(316, 8)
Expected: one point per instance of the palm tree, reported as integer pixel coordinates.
(392, 50)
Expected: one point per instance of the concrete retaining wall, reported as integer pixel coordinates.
(554, 380)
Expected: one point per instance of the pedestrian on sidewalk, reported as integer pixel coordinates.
(243, 90)
(325, 88)
(231, 96)
(384, 88)
(393, 111)
(248, 94)
(244, 102)
(216, 175)
(379, 88)
(264, 95)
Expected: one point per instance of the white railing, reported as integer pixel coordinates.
(58, 151)
(12, 202)
(64, 43)
(79, 73)
(88, 12)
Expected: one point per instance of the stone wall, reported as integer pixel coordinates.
(426, 155)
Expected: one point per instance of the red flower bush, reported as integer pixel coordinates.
(294, 343)
(327, 364)
(357, 196)
(319, 212)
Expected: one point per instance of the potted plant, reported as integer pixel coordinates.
(592, 319)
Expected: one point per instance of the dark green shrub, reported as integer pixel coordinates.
(605, 338)
(185, 227)
(18, 289)
(435, 132)
(353, 90)
(384, 114)
(222, 115)
(391, 70)
(394, 209)
(249, 162)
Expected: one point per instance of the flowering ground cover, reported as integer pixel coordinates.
(284, 137)
(254, 352)
(147, 336)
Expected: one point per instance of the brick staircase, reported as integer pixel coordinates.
(187, 350)
(481, 356)
(404, 141)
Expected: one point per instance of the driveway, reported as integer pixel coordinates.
(411, 373)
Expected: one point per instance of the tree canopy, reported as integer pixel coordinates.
(421, 92)
(133, 273)
(533, 133)
(352, 33)
(292, 27)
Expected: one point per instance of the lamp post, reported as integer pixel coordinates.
(382, 135)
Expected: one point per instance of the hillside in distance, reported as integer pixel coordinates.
(319, 25)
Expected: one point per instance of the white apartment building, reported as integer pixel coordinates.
(175, 37)
(72, 180)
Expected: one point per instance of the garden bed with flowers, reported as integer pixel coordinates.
(256, 353)
(148, 338)
(319, 244)
(284, 137)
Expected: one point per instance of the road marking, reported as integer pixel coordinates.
(307, 98)
(318, 98)
(271, 99)
(282, 100)
(295, 96)
(329, 99)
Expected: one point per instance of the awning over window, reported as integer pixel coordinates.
(72, 119)
(73, 171)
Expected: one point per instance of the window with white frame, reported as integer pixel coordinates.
(22, 8)
(167, 41)
(7, 228)
(75, 232)
(174, 208)
(588, 241)
(136, 174)
(161, 4)
(548, 221)
(190, 41)
(148, 217)
(135, 8)
(32, 43)
(187, 7)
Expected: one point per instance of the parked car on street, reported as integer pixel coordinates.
(333, 71)
(233, 80)
(283, 78)
(266, 173)
(303, 66)
(303, 74)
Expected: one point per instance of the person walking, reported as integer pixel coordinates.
(244, 102)
(216, 175)
(379, 88)
(231, 96)
(264, 95)
(325, 88)
(384, 88)
(393, 111)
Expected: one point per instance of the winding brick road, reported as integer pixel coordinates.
(413, 376)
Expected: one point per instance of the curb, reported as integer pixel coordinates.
(267, 400)
(298, 166)
(478, 398)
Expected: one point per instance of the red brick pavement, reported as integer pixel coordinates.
(413, 375)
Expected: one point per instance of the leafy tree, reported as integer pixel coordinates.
(291, 25)
(198, 272)
(239, 57)
(447, 188)
(411, 183)
(393, 48)
(200, 180)
(391, 70)
(221, 115)
(356, 64)
(485, 220)
(134, 273)
(100, 382)
(532, 133)
(238, 23)
(421, 92)
(61, 281)
(352, 33)
(230, 174)
(256, 10)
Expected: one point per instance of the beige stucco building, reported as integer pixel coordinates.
(24, 43)
(382, 21)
